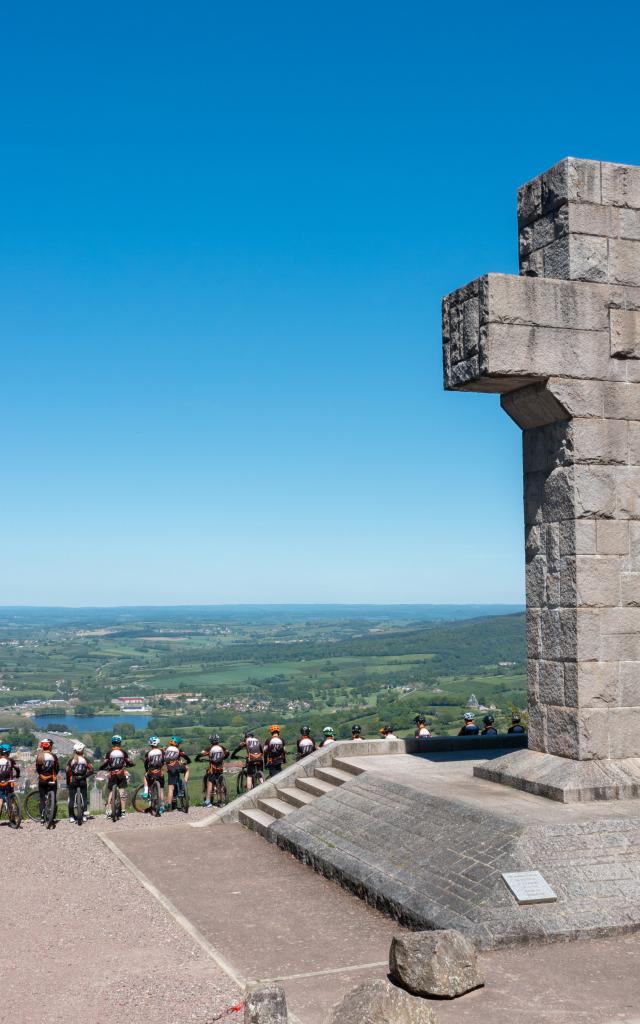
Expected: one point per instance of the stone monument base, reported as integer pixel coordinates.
(437, 861)
(561, 778)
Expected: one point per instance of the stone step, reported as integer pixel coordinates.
(275, 807)
(337, 776)
(315, 786)
(295, 796)
(259, 821)
(346, 764)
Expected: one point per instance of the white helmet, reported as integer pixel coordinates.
(78, 747)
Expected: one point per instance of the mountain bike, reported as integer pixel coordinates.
(181, 795)
(47, 816)
(79, 808)
(241, 782)
(11, 808)
(219, 795)
(155, 801)
(116, 804)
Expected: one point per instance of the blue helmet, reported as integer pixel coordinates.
(5, 748)
(116, 739)
(153, 741)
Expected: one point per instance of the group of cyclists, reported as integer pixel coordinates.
(166, 768)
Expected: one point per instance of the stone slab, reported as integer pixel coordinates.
(529, 887)
(265, 913)
(560, 778)
(434, 861)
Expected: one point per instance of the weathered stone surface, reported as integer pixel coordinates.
(438, 861)
(561, 344)
(380, 1002)
(441, 963)
(265, 1004)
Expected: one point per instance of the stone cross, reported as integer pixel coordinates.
(561, 344)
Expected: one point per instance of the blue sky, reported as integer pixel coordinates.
(225, 234)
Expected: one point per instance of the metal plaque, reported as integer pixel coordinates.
(529, 887)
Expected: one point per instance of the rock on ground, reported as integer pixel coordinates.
(265, 1004)
(438, 963)
(380, 1002)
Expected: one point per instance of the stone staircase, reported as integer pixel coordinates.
(297, 792)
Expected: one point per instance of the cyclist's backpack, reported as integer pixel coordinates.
(216, 755)
(254, 748)
(6, 769)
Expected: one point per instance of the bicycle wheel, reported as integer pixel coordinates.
(183, 798)
(116, 804)
(32, 806)
(15, 814)
(140, 805)
(241, 782)
(50, 808)
(154, 798)
(78, 807)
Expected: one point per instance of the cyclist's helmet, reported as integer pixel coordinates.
(115, 739)
(153, 741)
(214, 738)
(5, 748)
(468, 716)
(305, 731)
(46, 744)
(274, 728)
(355, 730)
(78, 748)
(420, 720)
(247, 734)
(515, 718)
(385, 729)
(488, 719)
(175, 739)
(328, 731)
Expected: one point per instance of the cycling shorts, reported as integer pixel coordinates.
(121, 781)
(152, 777)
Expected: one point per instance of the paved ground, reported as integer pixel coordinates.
(83, 937)
(271, 916)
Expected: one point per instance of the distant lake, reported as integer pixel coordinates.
(89, 723)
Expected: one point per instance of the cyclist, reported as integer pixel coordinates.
(274, 751)
(216, 755)
(116, 763)
(489, 727)
(356, 732)
(327, 736)
(422, 732)
(9, 771)
(306, 743)
(255, 756)
(469, 728)
(387, 733)
(78, 771)
(47, 768)
(516, 724)
(154, 770)
(177, 763)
